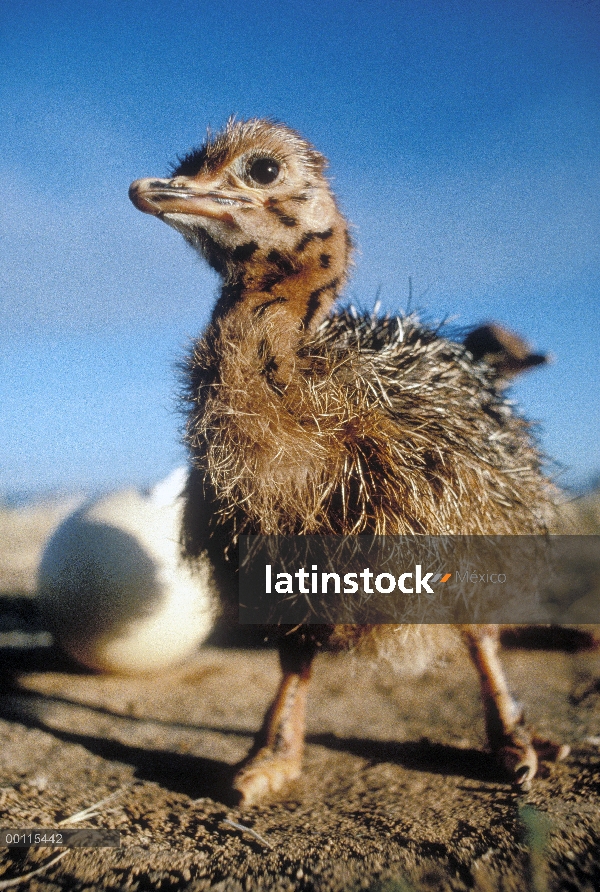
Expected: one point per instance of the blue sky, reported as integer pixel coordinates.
(463, 139)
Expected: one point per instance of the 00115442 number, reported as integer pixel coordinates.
(78, 838)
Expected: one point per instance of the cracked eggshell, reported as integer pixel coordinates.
(114, 589)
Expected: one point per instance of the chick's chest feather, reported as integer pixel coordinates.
(380, 425)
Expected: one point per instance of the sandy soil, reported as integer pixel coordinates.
(398, 794)
(23, 534)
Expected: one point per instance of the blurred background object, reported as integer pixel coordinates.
(113, 588)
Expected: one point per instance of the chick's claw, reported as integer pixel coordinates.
(266, 774)
(522, 753)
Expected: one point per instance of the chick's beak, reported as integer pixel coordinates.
(185, 195)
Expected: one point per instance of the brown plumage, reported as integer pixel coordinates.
(507, 352)
(302, 421)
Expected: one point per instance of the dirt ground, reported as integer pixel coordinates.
(398, 793)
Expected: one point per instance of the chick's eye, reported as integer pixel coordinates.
(263, 171)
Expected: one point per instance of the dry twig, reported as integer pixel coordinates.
(244, 829)
(9, 884)
(89, 811)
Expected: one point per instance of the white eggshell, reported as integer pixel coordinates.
(114, 590)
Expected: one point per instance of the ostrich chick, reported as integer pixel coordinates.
(303, 421)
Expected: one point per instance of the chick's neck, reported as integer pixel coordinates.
(299, 285)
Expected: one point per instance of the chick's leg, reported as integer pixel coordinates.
(276, 756)
(516, 747)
